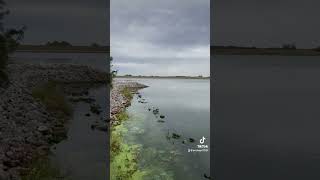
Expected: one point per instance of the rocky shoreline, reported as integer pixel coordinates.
(118, 101)
(27, 128)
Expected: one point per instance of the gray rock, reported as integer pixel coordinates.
(3, 175)
(43, 129)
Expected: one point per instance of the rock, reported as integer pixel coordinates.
(162, 116)
(206, 176)
(155, 111)
(175, 136)
(88, 114)
(161, 121)
(43, 129)
(102, 128)
(3, 175)
(95, 109)
(43, 150)
(10, 154)
(191, 140)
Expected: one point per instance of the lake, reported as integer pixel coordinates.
(267, 118)
(96, 60)
(185, 103)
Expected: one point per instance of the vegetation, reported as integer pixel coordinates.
(42, 169)
(289, 46)
(124, 157)
(127, 93)
(122, 116)
(95, 45)
(9, 41)
(58, 44)
(51, 95)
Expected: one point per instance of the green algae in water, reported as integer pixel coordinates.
(122, 116)
(124, 157)
(126, 163)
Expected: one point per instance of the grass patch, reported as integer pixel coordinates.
(42, 169)
(127, 93)
(51, 95)
(122, 116)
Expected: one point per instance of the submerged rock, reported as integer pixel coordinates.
(43, 129)
(161, 121)
(95, 109)
(175, 136)
(191, 140)
(206, 176)
(162, 116)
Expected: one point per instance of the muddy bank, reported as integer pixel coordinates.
(27, 128)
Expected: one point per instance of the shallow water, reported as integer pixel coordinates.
(82, 155)
(186, 106)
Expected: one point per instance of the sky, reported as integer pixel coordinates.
(266, 23)
(80, 22)
(164, 38)
(148, 37)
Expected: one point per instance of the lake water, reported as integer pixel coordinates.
(83, 155)
(96, 60)
(185, 103)
(267, 118)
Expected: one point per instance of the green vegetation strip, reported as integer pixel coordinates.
(124, 163)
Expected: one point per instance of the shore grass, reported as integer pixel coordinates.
(126, 92)
(122, 116)
(51, 95)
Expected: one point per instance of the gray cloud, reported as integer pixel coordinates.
(76, 21)
(161, 37)
(266, 23)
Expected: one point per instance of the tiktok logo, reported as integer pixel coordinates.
(202, 140)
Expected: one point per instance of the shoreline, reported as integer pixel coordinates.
(123, 156)
(264, 51)
(119, 102)
(28, 128)
(161, 77)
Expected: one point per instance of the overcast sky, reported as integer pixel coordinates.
(148, 37)
(80, 22)
(266, 23)
(167, 37)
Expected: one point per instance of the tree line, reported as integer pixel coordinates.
(9, 41)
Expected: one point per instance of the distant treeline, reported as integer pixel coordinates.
(67, 44)
(291, 46)
(64, 46)
(180, 77)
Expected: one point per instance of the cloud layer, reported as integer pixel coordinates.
(161, 37)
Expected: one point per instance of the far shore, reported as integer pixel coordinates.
(63, 49)
(163, 77)
(264, 51)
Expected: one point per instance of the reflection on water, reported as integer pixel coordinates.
(165, 141)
